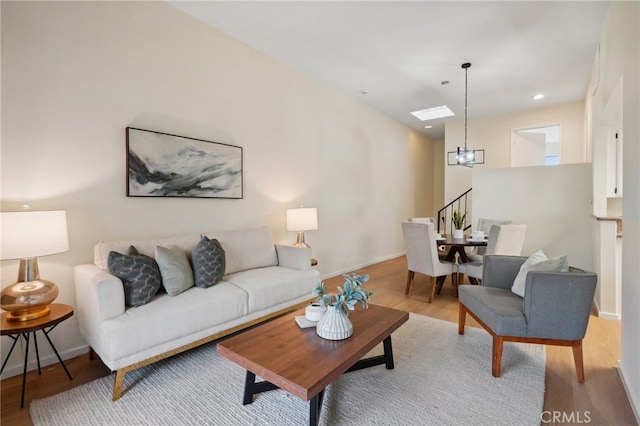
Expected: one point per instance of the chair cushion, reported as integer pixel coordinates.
(538, 261)
(499, 309)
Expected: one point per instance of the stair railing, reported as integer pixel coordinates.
(462, 203)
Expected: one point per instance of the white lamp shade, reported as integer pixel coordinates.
(302, 219)
(31, 234)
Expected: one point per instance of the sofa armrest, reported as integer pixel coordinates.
(557, 305)
(500, 271)
(294, 257)
(99, 297)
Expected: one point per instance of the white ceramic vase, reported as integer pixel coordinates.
(334, 325)
(458, 234)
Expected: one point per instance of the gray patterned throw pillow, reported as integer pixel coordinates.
(208, 262)
(139, 274)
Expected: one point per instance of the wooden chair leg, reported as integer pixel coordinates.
(454, 281)
(577, 357)
(462, 317)
(410, 275)
(434, 285)
(497, 355)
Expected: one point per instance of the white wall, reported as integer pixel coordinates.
(438, 176)
(75, 74)
(493, 134)
(553, 201)
(620, 57)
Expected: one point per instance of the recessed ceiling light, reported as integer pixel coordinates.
(433, 113)
(537, 97)
(428, 127)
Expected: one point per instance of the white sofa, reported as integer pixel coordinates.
(262, 280)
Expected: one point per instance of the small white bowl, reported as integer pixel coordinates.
(314, 311)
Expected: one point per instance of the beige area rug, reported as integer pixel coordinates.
(440, 378)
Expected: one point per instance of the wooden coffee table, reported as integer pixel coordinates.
(300, 362)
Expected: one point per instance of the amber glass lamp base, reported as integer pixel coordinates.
(30, 297)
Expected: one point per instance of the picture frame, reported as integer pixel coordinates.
(165, 165)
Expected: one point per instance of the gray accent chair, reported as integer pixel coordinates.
(422, 255)
(554, 311)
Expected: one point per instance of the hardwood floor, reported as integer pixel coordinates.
(601, 400)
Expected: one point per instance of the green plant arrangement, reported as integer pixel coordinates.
(346, 299)
(458, 219)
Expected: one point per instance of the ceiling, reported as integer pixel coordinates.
(399, 52)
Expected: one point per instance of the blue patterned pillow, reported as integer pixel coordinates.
(139, 274)
(208, 262)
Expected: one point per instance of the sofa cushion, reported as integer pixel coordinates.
(139, 273)
(208, 259)
(102, 249)
(273, 285)
(168, 318)
(175, 269)
(244, 249)
(247, 249)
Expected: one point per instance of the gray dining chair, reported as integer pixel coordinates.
(555, 308)
(503, 240)
(422, 255)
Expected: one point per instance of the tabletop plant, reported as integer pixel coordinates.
(458, 219)
(346, 298)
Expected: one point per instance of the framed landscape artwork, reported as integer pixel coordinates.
(164, 165)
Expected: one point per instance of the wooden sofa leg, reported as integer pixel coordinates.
(410, 275)
(462, 317)
(92, 354)
(434, 286)
(118, 384)
(498, 341)
(577, 357)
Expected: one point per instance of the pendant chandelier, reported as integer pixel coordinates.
(465, 156)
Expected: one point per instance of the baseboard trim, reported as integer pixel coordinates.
(362, 265)
(16, 369)
(634, 407)
(605, 315)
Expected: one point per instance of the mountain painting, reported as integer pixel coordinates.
(164, 165)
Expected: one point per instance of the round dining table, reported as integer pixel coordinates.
(457, 246)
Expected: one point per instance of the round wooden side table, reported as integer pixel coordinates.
(23, 329)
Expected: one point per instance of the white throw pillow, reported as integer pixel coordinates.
(538, 261)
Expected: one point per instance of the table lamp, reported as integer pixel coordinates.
(300, 220)
(25, 236)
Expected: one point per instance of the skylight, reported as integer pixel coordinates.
(433, 113)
